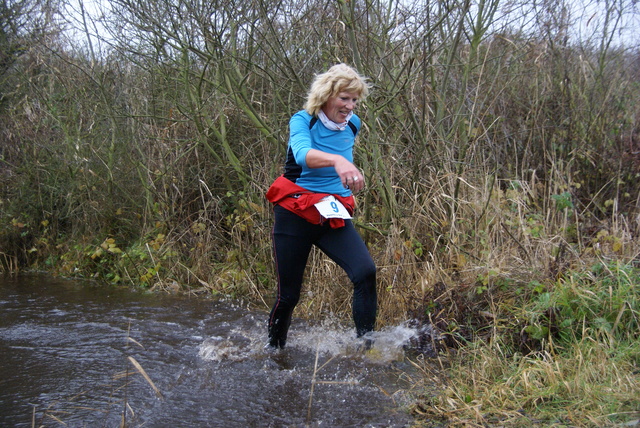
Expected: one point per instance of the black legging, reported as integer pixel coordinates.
(293, 237)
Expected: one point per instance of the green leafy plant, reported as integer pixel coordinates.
(563, 201)
(601, 301)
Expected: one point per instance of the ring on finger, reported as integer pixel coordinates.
(354, 178)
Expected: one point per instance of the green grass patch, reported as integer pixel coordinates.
(583, 373)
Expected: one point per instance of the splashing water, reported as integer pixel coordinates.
(70, 346)
(328, 339)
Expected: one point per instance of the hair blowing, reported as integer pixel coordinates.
(339, 78)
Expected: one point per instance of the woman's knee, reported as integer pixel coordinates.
(365, 275)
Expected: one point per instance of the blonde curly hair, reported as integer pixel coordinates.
(339, 78)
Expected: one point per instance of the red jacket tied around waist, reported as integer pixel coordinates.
(300, 201)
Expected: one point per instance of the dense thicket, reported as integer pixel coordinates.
(137, 143)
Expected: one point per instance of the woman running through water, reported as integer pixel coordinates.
(313, 200)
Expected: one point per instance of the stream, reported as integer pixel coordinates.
(77, 354)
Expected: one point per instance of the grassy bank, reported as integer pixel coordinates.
(566, 357)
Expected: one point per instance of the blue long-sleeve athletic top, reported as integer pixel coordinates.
(302, 139)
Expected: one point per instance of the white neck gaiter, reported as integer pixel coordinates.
(330, 124)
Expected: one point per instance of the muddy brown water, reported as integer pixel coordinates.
(69, 349)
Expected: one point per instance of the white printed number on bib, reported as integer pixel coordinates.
(330, 207)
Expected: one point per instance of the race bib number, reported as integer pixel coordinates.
(330, 207)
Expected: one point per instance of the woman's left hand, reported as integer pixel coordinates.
(350, 176)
